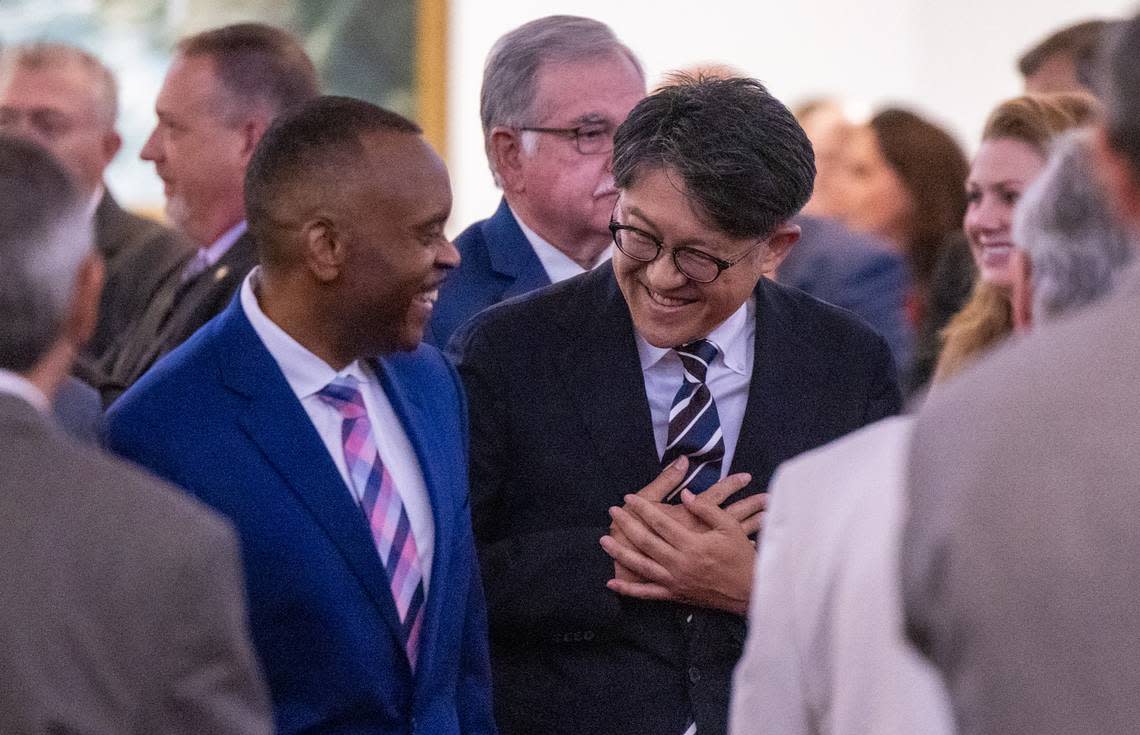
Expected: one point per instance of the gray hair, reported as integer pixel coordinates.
(511, 71)
(44, 237)
(51, 55)
(1076, 246)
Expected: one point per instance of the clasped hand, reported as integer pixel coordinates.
(696, 552)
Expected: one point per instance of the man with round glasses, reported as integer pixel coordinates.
(625, 423)
(554, 91)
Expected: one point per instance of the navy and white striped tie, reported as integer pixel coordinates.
(694, 426)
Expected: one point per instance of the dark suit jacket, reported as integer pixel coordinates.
(498, 263)
(560, 431)
(123, 609)
(217, 417)
(138, 254)
(856, 272)
(175, 311)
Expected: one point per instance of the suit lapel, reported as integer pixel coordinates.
(276, 422)
(779, 377)
(417, 427)
(512, 255)
(603, 376)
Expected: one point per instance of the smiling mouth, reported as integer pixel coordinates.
(668, 302)
(427, 298)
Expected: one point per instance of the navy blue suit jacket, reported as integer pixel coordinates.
(217, 417)
(858, 273)
(560, 431)
(498, 263)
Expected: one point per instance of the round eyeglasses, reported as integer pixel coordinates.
(589, 139)
(694, 264)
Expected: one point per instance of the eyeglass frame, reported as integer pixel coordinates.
(721, 264)
(575, 134)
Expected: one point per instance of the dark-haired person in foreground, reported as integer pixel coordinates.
(123, 609)
(309, 414)
(571, 393)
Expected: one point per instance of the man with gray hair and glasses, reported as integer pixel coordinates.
(66, 99)
(123, 609)
(554, 91)
(1019, 572)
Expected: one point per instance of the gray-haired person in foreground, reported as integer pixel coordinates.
(123, 605)
(1019, 571)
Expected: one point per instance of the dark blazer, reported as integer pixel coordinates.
(498, 263)
(138, 255)
(856, 272)
(560, 431)
(176, 310)
(217, 417)
(123, 608)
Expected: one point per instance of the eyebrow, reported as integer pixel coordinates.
(591, 118)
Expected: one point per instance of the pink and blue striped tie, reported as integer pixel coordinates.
(380, 501)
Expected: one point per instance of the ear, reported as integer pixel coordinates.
(251, 131)
(1118, 179)
(324, 249)
(83, 311)
(779, 245)
(111, 144)
(505, 148)
(1021, 290)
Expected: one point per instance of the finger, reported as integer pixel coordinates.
(657, 518)
(751, 526)
(641, 590)
(633, 560)
(747, 507)
(640, 535)
(667, 481)
(713, 516)
(721, 491)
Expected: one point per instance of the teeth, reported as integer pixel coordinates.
(429, 297)
(665, 300)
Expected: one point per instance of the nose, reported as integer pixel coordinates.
(989, 214)
(151, 150)
(448, 255)
(662, 273)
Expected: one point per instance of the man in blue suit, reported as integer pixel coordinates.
(554, 91)
(311, 416)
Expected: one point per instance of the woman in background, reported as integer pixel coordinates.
(1014, 150)
(902, 180)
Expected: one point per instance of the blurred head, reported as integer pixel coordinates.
(348, 203)
(1013, 152)
(1118, 139)
(1071, 246)
(50, 277)
(223, 89)
(574, 79)
(1065, 61)
(829, 129)
(709, 170)
(902, 181)
(64, 99)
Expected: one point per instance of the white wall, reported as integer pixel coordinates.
(950, 60)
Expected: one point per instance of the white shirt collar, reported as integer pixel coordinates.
(96, 198)
(17, 385)
(558, 265)
(213, 252)
(306, 373)
(731, 338)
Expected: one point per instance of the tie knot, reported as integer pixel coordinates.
(343, 395)
(696, 358)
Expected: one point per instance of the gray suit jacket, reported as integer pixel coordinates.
(123, 609)
(1020, 568)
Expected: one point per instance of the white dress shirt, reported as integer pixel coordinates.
(728, 378)
(307, 374)
(558, 265)
(17, 385)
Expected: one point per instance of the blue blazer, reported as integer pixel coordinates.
(217, 417)
(498, 263)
